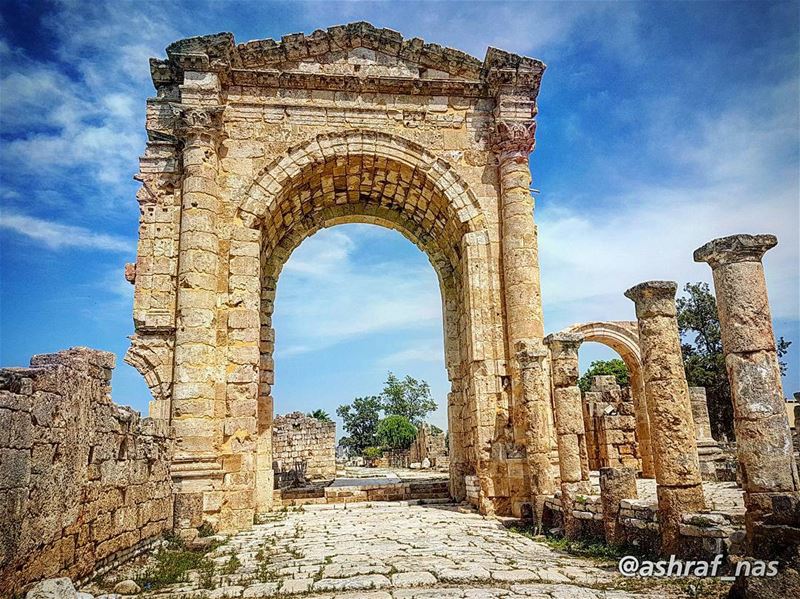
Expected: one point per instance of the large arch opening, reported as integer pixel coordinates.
(352, 303)
(372, 178)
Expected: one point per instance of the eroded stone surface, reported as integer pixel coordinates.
(398, 551)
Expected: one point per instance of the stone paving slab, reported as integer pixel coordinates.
(392, 550)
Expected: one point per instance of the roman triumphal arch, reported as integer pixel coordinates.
(252, 148)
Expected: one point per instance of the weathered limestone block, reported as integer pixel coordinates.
(610, 425)
(428, 445)
(671, 427)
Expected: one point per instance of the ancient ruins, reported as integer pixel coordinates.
(254, 147)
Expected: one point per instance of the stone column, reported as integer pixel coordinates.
(642, 422)
(531, 362)
(708, 450)
(513, 141)
(199, 383)
(679, 485)
(616, 484)
(569, 423)
(702, 423)
(763, 438)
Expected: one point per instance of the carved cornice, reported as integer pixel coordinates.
(514, 140)
(220, 53)
(192, 122)
(351, 83)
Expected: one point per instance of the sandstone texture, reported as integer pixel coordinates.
(253, 147)
(82, 480)
(303, 448)
(677, 467)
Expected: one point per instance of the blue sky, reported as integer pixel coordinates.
(662, 125)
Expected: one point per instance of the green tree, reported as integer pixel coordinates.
(614, 367)
(703, 359)
(396, 432)
(360, 422)
(408, 397)
(320, 414)
(372, 453)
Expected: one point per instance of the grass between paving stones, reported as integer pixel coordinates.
(705, 588)
(174, 561)
(591, 548)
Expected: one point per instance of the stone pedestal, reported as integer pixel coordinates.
(616, 484)
(672, 430)
(763, 437)
(568, 423)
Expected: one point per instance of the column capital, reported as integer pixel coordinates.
(564, 344)
(529, 353)
(514, 140)
(192, 122)
(735, 248)
(654, 298)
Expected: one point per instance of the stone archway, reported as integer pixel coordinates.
(623, 338)
(372, 177)
(254, 147)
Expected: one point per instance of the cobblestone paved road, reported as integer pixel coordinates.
(397, 551)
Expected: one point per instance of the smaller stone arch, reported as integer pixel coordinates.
(623, 337)
(152, 358)
(620, 335)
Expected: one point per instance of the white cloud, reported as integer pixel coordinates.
(327, 294)
(58, 236)
(430, 351)
(526, 28)
(739, 176)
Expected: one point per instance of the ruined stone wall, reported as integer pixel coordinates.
(82, 480)
(428, 444)
(304, 445)
(610, 422)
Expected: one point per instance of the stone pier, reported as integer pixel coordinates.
(669, 409)
(616, 484)
(573, 462)
(763, 437)
(536, 399)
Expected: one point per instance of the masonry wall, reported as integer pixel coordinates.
(610, 424)
(82, 481)
(430, 445)
(304, 444)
